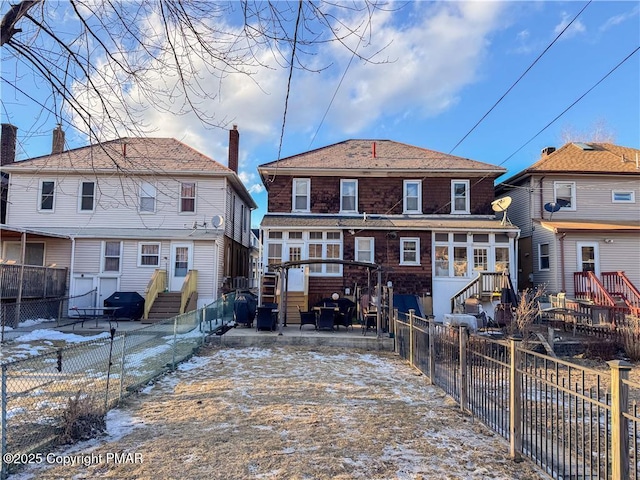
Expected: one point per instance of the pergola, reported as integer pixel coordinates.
(283, 269)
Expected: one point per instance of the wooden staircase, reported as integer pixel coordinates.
(614, 291)
(166, 305)
(485, 287)
(268, 288)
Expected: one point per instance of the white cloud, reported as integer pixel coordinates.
(618, 19)
(576, 28)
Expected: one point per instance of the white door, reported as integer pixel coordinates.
(83, 294)
(588, 257)
(106, 287)
(181, 263)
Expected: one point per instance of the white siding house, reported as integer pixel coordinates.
(595, 189)
(129, 207)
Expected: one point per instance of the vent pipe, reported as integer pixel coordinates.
(373, 150)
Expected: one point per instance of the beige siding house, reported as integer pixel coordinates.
(132, 207)
(578, 209)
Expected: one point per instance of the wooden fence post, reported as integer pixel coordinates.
(464, 387)
(515, 401)
(619, 423)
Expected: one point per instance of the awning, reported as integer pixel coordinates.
(586, 226)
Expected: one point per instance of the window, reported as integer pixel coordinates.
(587, 259)
(348, 195)
(409, 251)
(301, 194)
(275, 235)
(33, 255)
(364, 250)
(87, 195)
(315, 253)
(543, 256)
(187, 197)
(112, 253)
(333, 253)
(442, 261)
(460, 261)
(460, 196)
(47, 192)
(565, 194)
(480, 259)
(502, 259)
(326, 246)
(148, 254)
(623, 197)
(274, 253)
(147, 197)
(412, 197)
(295, 235)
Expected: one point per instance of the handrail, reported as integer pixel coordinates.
(36, 281)
(189, 286)
(157, 284)
(617, 283)
(588, 287)
(484, 282)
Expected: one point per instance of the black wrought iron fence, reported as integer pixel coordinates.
(574, 422)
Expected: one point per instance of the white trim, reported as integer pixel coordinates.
(301, 181)
(405, 184)
(139, 256)
(548, 257)
(596, 256)
(631, 193)
(80, 197)
(404, 241)
(343, 181)
(148, 194)
(195, 198)
(53, 201)
(103, 257)
(467, 200)
(371, 249)
(557, 184)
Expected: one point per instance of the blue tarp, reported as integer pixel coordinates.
(404, 303)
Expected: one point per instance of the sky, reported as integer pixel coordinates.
(435, 70)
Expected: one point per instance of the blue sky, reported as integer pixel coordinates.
(443, 66)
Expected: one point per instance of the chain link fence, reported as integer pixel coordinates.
(38, 392)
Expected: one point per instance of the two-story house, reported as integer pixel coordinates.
(579, 215)
(123, 214)
(423, 216)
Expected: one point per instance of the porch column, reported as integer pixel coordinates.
(23, 250)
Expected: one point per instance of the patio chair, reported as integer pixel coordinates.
(346, 319)
(307, 318)
(326, 318)
(266, 319)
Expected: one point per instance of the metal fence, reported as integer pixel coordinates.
(574, 422)
(36, 392)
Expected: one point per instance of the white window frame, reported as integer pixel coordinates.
(103, 257)
(547, 256)
(11, 247)
(296, 182)
(557, 184)
(442, 272)
(405, 196)
(343, 182)
(147, 190)
(182, 197)
(53, 197)
(467, 200)
(596, 256)
(140, 254)
(403, 250)
(81, 196)
(630, 193)
(370, 250)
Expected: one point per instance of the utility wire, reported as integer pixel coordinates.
(521, 76)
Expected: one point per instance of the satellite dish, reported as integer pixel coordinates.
(552, 207)
(501, 204)
(217, 221)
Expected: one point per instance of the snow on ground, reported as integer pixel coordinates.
(40, 341)
(292, 412)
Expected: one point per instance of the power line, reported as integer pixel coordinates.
(521, 76)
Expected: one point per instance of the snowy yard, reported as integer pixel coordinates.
(290, 412)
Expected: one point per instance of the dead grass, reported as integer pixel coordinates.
(295, 413)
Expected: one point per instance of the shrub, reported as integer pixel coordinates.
(82, 419)
(630, 337)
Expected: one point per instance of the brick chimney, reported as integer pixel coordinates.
(57, 145)
(8, 149)
(234, 148)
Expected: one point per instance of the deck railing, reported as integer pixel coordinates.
(587, 286)
(619, 285)
(189, 286)
(37, 282)
(156, 285)
(486, 283)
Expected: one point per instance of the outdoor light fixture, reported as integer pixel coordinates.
(335, 296)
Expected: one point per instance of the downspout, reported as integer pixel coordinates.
(564, 284)
(216, 269)
(541, 199)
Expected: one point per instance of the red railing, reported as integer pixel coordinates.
(586, 286)
(619, 285)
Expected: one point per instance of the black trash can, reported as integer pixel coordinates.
(131, 303)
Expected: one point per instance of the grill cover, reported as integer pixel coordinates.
(132, 304)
